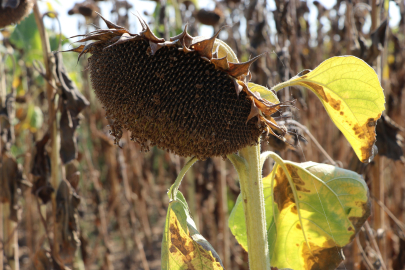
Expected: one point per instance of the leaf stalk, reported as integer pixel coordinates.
(175, 187)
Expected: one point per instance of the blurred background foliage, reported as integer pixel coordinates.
(119, 221)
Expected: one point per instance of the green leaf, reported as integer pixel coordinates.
(26, 37)
(315, 211)
(34, 119)
(352, 95)
(183, 247)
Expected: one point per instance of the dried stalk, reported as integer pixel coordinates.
(374, 244)
(10, 240)
(2, 104)
(130, 201)
(1, 238)
(377, 185)
(50, 93)
(94, 175)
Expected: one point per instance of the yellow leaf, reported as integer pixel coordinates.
(225, 50)
(50, 9)
(182, 246)
(264, 92)
(312, 211)
(352, 95)
(49, 5)
(16, 82)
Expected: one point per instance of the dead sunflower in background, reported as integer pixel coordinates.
(182, 95)
(13, 11)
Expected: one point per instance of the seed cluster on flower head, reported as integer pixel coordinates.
(13, 15)
(177, 94)
(174, 100)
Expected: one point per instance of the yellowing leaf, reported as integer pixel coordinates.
(312, 211)
(264, 92)
(225, 50)
(352, 95)
(183, 247)
(50, 7)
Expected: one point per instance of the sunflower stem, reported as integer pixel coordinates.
(253, 204)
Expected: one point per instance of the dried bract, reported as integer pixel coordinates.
(176, 94)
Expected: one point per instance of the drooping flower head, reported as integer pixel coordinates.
(13, 11)
(183, 94)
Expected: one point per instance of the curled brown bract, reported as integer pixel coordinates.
(260, 107)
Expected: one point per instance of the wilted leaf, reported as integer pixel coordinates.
(12, 182)
(316, 210)
(7, 116)
(183, 247)
(73, 103)
(67, 223)
(389, 142)
(41, 171)
(377, 45)
(352, 95)
(42, 260)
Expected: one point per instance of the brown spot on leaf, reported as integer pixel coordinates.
(334, 103)
(302, 189)
(317, 88)
(320, 258)
(179, 242)
(283, 194)
(294, 209)
(366, 132)
(359, 221)
(299, 183)
(298, 226)
(172, 249)
(342, 113)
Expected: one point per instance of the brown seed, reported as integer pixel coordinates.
(171, 96)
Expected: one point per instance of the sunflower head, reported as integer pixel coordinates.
(12, 12)
(182, 94)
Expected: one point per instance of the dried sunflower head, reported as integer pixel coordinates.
(13, 11)
(176, 94)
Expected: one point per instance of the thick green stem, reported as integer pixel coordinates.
(253, 205)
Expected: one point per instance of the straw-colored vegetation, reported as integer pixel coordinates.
(90, 174)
